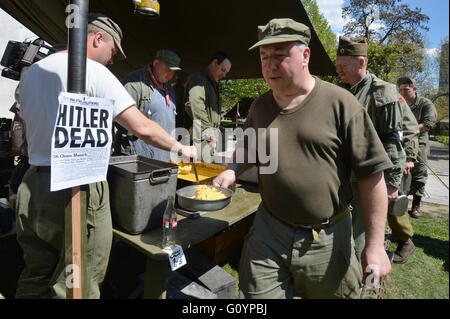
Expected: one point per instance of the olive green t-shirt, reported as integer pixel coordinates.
(319, 142)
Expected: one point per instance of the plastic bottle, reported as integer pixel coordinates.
(169, 224)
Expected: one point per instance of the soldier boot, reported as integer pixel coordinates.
(416, 212)
(404, 251)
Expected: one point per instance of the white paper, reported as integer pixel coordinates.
(177, 258)
(81, 140)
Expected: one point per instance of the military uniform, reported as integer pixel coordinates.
(156, 101)
(387, 110)
(425, 113)
(300, 243)
(151, 102)
(203, 104)
(398, 131)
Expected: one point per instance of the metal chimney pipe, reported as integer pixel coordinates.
(76, 76)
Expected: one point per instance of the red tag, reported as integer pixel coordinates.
(401, 99)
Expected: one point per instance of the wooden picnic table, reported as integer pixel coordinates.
(190, 232)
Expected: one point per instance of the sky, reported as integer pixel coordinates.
(437, 10)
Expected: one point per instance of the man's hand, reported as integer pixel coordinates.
(187, 153)
(372, 194)
(408, 168)
(376, 265)
(225, 179)
(392, 192)
(212, 141)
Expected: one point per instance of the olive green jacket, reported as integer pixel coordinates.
(425, 113)
(410, 132)
(203, 101)
(394, 123)
(140, 87)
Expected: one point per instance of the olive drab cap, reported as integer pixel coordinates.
(170, 58)
(347, 47)
(282, 30)
(406, 80)
(109, 26)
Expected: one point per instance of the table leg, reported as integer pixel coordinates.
(155, 282)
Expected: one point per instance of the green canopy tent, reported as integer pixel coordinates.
(195, 29)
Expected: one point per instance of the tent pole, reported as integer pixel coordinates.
(75, 213)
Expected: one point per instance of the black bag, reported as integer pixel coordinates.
(18, 173)
(6, 218)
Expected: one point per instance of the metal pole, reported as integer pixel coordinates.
(76, 81)
(75, 216)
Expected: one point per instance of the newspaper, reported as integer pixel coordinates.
(81, 140)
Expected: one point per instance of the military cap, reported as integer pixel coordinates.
(282, 30)
(170, 58)
(406, 80)
(109, 26)
(347, 47)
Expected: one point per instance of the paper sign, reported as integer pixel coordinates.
(81, 140)
(177, 258)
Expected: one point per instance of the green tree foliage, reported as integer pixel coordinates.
(323, 30)
(321, 26)
(232, 91)
(436, 70)
(442, 103)
(392, 17)
(393, 32)
(394, 59)
(443, 65)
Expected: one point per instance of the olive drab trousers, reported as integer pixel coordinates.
(279, 261)
(420, 172)
(40, 233)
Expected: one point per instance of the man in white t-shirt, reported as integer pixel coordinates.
(40, 213)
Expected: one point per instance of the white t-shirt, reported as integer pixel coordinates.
(39, 91)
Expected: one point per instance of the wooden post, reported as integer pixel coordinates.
(75, 216)
(75, 241)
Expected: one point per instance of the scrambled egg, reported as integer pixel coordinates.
(208, 193)
(184, 168)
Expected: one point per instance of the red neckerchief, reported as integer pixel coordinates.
(158, 85)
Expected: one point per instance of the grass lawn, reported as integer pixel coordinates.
(426, 274)
(441, 139)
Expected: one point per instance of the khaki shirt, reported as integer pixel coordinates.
(425, 113)
(389, 114)
(410, 133)
(203, 101)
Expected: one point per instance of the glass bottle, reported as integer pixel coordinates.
(169, 224)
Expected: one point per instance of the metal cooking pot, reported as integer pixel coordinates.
(184, 200)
